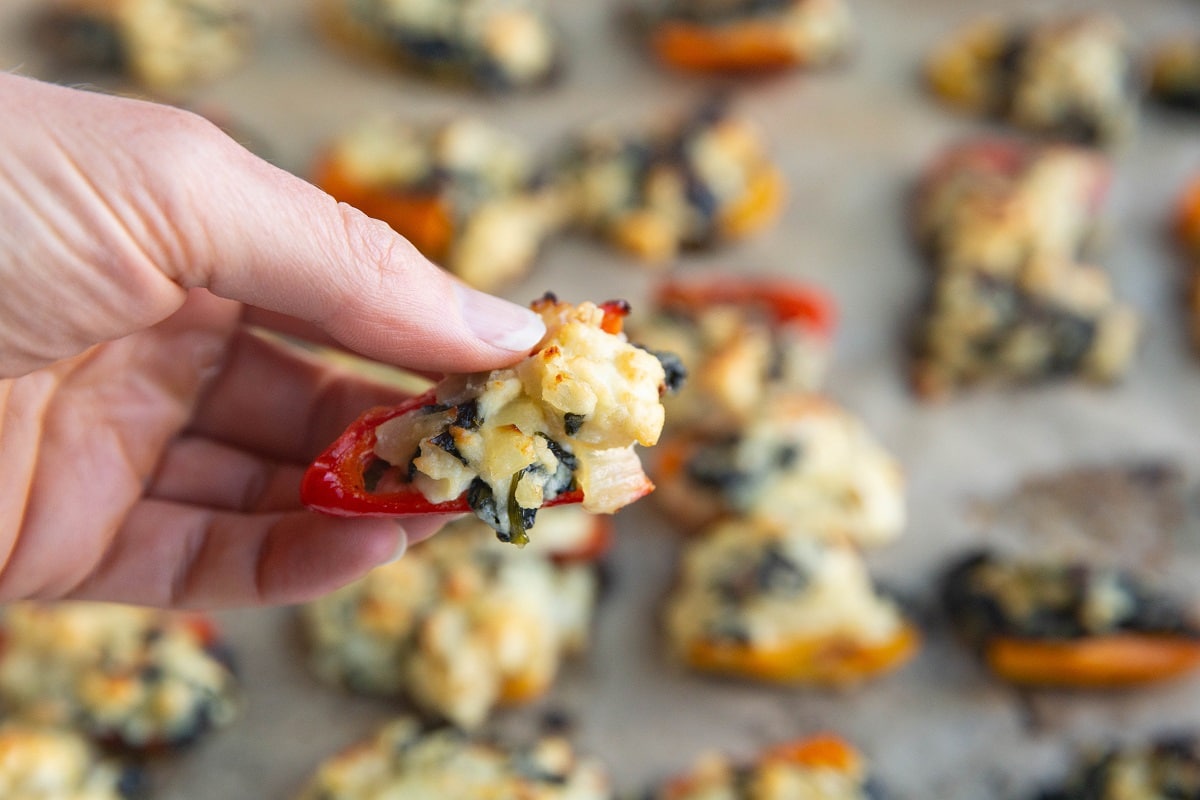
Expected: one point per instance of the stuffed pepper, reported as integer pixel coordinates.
(777, 604)
(1068, 77)
(741, 340)
(463, 623)
(134, 677)
(693, 184)
(559, 426)
(744, 36)
(802, 460)
(492, 46)
(1053, 623)
(465, 194)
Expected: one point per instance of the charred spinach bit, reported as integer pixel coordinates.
(411, 470)
(482, 501)
(572, 423)
(520, 519)
(673, 369)
(374, 473)
(715, 466)
(445, 440)
(467, 415)
(565, 457)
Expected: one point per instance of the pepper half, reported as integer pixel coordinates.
(336, 483)
(787, 302)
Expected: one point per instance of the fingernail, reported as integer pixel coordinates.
(401, 545)
(499, 322)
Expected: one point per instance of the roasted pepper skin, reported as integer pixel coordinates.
(788, 302)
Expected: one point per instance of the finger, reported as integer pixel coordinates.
(420, 528)
(281, 404)
(181, 556)
(127, 201)
(202, 472)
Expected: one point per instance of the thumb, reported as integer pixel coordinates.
(274, 241)
(151, 200)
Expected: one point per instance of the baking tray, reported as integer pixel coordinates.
(850, 140)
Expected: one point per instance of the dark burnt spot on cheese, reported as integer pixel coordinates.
(674, 370)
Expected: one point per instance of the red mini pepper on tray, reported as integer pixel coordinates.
(787, 301)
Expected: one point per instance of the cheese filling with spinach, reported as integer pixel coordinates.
(1070, 77)
(1167, 767)
(47, 763)
(493, 44)
(568, 416)
(988, 596)
(500, 209)
(461, 624)
(801, 460)
(1037, 203)
(765, 586)
(1009, 302)
(402, 761)
(691, 185)
(122, 674)
(163, 44)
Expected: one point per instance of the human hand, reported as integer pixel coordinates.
(153, 443)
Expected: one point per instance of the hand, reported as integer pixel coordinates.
(152, 443)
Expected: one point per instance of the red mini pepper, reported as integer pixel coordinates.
(788, 302)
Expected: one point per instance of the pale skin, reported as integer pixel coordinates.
(151, 442)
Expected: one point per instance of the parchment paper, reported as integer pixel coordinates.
(849, 140)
